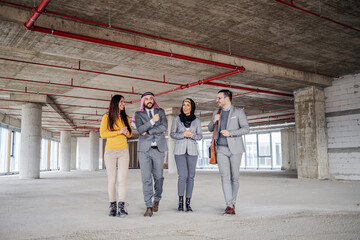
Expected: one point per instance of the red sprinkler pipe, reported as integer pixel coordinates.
(58, 104)
(317, 15)
(89, 71)
(130, 47)
(40, 9)
(240, 69)
(55, 95)
(68, 85)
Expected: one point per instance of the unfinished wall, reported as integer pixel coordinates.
(342, 107)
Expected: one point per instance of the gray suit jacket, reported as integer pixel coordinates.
(237, 125)
(142, 122)
(183, 144)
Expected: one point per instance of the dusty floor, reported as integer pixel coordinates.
(271, 205)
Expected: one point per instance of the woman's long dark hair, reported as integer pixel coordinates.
(114, 113)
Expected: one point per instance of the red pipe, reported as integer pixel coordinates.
(88, 114)
(130, 47)
(55, 95)
(240, 69)
(68, 85)
(58, 104)
(317, 15)
(30, 23)
(167, 39)
(90, 71)
(249, 89)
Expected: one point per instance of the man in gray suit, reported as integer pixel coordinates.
(151, 124)
(229, 145)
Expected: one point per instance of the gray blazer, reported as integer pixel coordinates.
(142, 122)
(183, 144)
(237, 125)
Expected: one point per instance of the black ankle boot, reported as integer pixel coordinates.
(187, 204)
(121, 210)
(181, 204)
(112, 209)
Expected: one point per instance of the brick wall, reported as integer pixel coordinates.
(342, 107)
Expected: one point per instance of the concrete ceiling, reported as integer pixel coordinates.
(282, 49)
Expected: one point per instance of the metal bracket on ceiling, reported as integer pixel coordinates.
(171, 52)
(109, 16)
(52, 29)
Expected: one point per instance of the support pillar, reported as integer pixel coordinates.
(29, 164)
(288, 149)
(73, 153)
(94, 151)
(65, 151)
(171, 144)
(310, 125)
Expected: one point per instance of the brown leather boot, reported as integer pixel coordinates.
(149, 212)
(156, 206)
(229, 211)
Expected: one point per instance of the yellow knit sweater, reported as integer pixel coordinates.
(115, 140)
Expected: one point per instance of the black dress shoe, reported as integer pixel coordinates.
(112, 209)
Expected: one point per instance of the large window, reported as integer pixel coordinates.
(10, 141)
(263, 151)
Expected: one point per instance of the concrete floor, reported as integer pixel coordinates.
(271, 205)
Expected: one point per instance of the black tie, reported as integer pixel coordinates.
(151, 116)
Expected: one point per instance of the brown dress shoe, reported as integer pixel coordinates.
(149, 212)
(156, 206)
(229, 211)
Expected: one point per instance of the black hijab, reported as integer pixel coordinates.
(186, 120)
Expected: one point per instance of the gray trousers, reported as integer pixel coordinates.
(151, 166)
(229, 168)
(186, 165)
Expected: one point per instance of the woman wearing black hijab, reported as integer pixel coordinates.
(186, 129)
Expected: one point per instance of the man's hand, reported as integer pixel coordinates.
(144, 133)
(225, 133)
(156, 118)
(124, 130)
(187, 133)
(217, 117)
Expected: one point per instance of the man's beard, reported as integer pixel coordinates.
(147, 105)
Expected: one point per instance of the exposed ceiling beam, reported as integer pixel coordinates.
(67, 26)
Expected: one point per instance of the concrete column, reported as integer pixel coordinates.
(29, 164)
(65, 151)
(288, 149)
(310, 125)
(94, 151)
(73, 153)
(171, 145)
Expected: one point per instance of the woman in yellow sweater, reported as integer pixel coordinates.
(115, 127)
